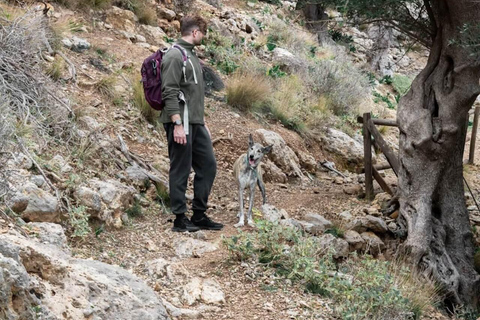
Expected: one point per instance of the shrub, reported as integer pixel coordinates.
(78, 219)
(223, 52)
(244, 91)
(361, 287)
(141, 103)
(298, 42)
(343, 85)
(401, 84)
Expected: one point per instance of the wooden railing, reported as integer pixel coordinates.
(372, 171)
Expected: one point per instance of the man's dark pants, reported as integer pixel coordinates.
(197, 154)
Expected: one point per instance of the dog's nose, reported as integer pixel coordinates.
(251, 157)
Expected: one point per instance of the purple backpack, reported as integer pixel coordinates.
(151, 77)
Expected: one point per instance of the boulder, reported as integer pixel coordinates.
(164, 13)
(116, 198)
(44, 279)
(318, 220)
(42, 206)
(272, 173)
(90, 199)
(272, 214)
(282, 155)
(79, 44)
(307, 161)
(285, 58)
(120, 19)
(347, 150)
(371, 223)
(339, 246)
(206, 290)
(373, 243)
(355, 240)
(185, 248)
(154, 35)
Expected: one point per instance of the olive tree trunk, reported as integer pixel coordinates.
(432, 118)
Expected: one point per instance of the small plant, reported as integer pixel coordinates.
(245, 91)
(336, 231)
(139, 101)
(55, 69)
(135, 210)
(275, 72)
(74, 26)
(342, 39)
(99, 230)
(78, 219)
(105, 87)
(386, 79)
(379, 97)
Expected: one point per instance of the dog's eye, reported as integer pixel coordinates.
(258, 151)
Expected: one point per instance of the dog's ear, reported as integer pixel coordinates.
(267, 149)
(250, 140)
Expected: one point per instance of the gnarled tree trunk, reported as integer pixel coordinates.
(432, 119)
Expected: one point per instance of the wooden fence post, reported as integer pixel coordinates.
(367, 156)
(471, 156)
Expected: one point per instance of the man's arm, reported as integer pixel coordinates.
(171, 76)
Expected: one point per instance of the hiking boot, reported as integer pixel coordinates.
(184, 225)
(206, 223)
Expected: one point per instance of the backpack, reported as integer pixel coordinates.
(151, 76)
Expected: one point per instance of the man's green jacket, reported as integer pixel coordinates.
(191, 84)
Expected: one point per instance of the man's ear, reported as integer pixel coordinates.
(250, 140)
(267, 149)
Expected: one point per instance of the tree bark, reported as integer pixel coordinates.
(432, 118)
(316, 20)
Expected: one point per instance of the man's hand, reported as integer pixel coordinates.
(179, 134)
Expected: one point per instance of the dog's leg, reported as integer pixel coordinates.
(262, 189)
(241, 221)
(250, 205)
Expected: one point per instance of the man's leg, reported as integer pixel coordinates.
(180, 165)
(205, 167)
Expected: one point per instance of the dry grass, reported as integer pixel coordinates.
(106, 87)
(54, 69)
(245, 91)
(141, 104)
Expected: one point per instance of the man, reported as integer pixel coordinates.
(189, 140)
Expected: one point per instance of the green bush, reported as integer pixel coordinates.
(401, 84)
(361, 287)
(78, 220)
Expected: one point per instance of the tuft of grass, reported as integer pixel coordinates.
(245, 91)
(54, 70)
(135, 210)
(105, 87)
(138, 100)
(361, 287)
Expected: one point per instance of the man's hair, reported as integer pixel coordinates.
(190, 23)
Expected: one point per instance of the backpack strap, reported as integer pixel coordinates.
(185, 58)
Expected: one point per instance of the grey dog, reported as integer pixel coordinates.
(248, 173)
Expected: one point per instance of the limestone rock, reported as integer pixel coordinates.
(42, 206)
(79, 44)
(318, 220)
(340, 247)
(18, 202)
(374, 224)
(96, 290)
(272, 214)
(89, 198)
(164, 13)
(154, 35)
(281, 154)
(307, 161)
(49, 234)
(185, 248)
(348, 150)
(373, 243)
(272, 173)
(207, 290)
(121, 19)
(157, 267)
(355, 240)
